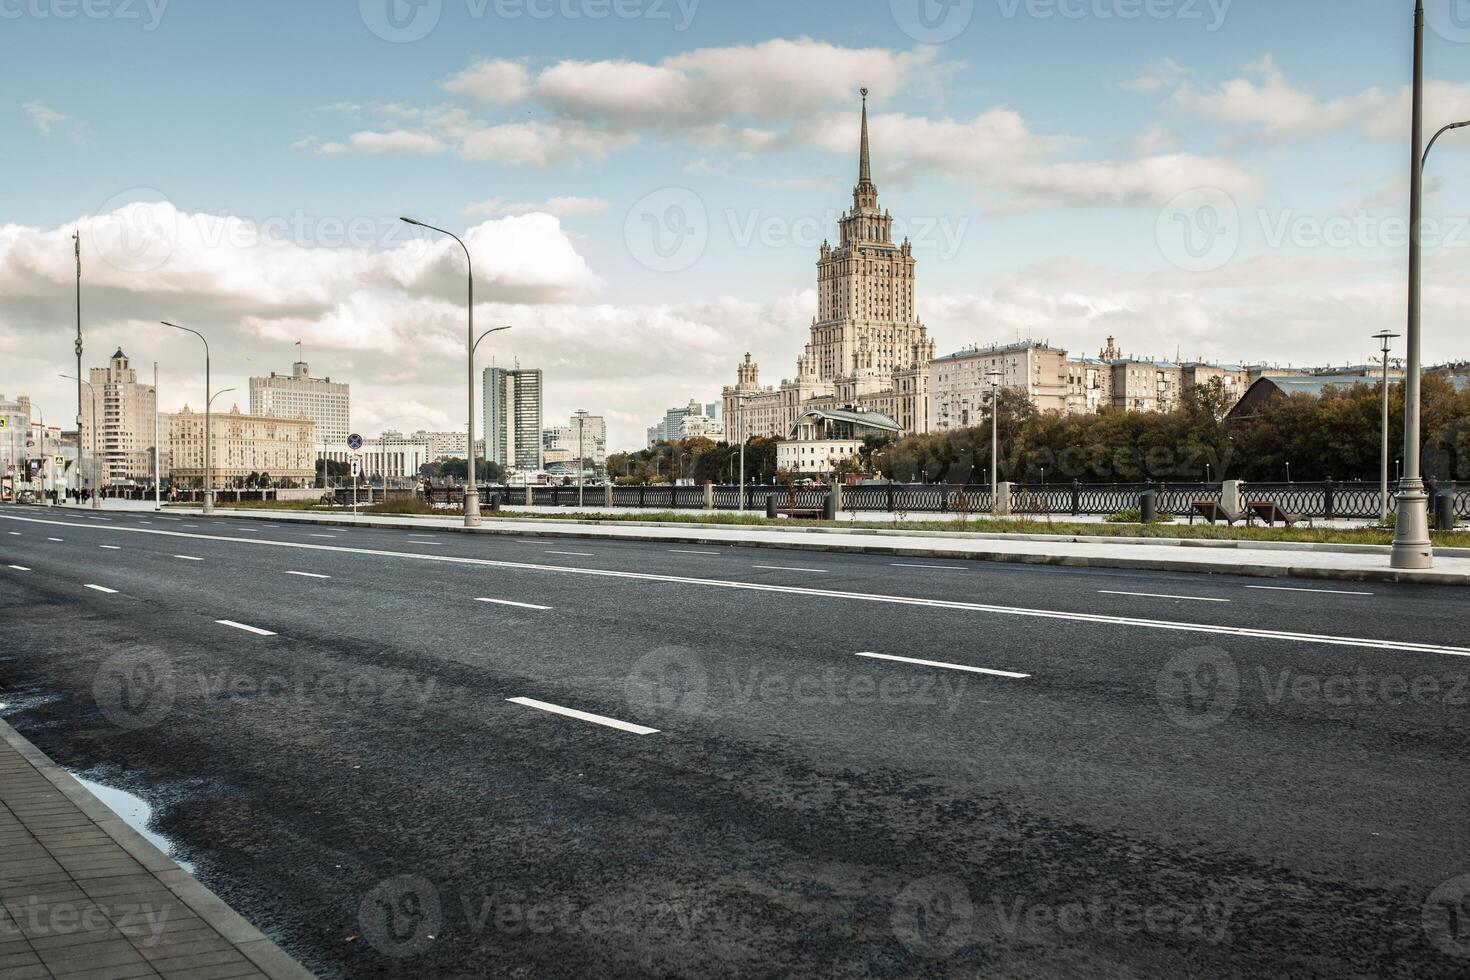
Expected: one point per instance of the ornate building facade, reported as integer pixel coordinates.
(867, 347)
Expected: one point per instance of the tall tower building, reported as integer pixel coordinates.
(124, 413)
(298, 395)
(867, 346)
(512, 400)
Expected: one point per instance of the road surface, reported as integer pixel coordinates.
(416, 753)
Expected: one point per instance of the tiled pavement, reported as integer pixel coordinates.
(83, 896)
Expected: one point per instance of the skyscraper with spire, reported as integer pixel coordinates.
(867, 345)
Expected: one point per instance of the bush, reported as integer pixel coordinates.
(1134, 515)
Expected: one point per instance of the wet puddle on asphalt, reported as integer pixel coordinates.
(136, 813)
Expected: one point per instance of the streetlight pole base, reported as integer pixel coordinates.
(471, 508)
(209, 501)
(1411, 546)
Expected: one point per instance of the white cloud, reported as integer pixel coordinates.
(541, 144)
(495, 82)
(1158, 138)
(559, 207)
(1264, 98)
(44, 117)
(397, 141)
(1159, 75)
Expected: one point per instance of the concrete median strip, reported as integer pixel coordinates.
(556, 709)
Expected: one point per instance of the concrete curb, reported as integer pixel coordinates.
(580, 529)
(269, 958)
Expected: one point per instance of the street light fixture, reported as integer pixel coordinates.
(96, 477)
(1385, 337)
(208, 427)
(471, 470)
(1411, 544)
(472, 489)
(994, 377)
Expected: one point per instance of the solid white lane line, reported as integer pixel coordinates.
(681, 551)
(518, 605)
(188, 558)
(1208, 629)
(557, 709)
(308, 575)
(20, 568)
(241, 626)
(109, 547)
(102, 588)
(904, 564)
(574, 554)
(1155, 595)
(789, 568)
(1282, 588)
(940, 663)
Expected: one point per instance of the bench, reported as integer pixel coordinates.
(1268, 512)
(1213, 512)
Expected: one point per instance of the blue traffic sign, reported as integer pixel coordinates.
(354, 442)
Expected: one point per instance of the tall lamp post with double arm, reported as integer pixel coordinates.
(472, 485)
(208, 427)
(1411, 545)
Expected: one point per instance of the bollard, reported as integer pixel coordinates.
(771, 506)
(1148, 506)
(829, 505)
(1444, 510)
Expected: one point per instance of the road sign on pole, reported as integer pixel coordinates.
(354, 442)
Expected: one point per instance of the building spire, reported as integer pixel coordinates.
(865, 167)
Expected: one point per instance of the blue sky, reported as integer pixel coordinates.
(1045, 154)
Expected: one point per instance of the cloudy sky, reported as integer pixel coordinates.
(644, 184)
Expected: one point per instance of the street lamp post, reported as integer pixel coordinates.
(994, 377)
(470, 468)
(1385, 337)
(472, 489)
(157, 463)
(46, 479)
(96, 477)
(208, 427)
(1411, 544)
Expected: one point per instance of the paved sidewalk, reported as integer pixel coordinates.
(83, 896)
(1264, 559)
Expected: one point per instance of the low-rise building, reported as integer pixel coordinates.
(959, 384)
(283, 449)
(823, 438)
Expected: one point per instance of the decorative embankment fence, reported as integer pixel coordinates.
(1326, 500)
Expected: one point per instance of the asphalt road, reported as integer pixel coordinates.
(795, 763)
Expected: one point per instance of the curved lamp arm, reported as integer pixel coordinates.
(1458, 125)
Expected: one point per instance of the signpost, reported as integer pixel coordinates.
(354, 444)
